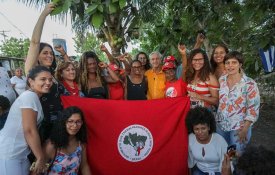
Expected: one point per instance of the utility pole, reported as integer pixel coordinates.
(3, 33)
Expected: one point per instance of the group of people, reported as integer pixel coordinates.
(224, 101)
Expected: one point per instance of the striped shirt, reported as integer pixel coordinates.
(201, 88)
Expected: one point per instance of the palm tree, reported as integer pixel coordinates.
(114, 21)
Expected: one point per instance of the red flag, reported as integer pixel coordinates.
(135, 137)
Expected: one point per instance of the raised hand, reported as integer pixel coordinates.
(48, 9)
(182, 49)
(102, 65)
(103, 48)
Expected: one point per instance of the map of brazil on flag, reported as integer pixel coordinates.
(135, 137)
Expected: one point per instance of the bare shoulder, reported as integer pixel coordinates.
(213, 80)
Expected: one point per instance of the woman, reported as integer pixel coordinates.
(238, 104)
(43, 54)
(66, 74)
(217, 58)
(206, 148)
(144, 59)
(202, 84)
(93, 76)
(66, 147)
(18, 81)
(20, 133)
(175, 87)
(136, 85)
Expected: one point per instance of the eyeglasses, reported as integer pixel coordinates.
(72, 122)
(198, 60)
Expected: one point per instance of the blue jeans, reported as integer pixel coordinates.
(232, 138)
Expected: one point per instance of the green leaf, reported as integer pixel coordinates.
(100, 8)
(91, 9)
(115, 0)
(55, 1)
(57, 10)
(67, 5)
(97, 20)
(122, 3)
(112, 8)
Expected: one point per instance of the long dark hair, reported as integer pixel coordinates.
(59, 135)
(147, 65)
(35, 71)
(41, 47)
(212, 61)
(205, 70)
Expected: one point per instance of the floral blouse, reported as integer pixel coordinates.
(238, 104)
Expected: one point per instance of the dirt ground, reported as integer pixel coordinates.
(263, 132)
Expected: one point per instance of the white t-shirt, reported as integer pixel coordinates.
(5, 85)
(214, 153)
(13, 144)
(20, 84)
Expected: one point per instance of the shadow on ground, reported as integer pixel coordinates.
(263, 132)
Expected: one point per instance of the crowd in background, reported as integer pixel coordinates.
(224, 103)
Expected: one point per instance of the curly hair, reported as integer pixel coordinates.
(62, 66)
(212, 61)
(4, 103)
(83, 70)
(205, 70)
(147, 65)
(59, 135)
(256, 161)
(200, 115)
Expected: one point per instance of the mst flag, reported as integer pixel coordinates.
(135, 137)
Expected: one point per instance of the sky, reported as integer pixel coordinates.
(18, 20)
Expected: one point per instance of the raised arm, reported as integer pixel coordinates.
(36, 36)
(112, 77)
(182, 50)
(110, 57)
(63, 53)
(199, 41)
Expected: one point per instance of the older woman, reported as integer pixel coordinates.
(66, 74)
(239, 103)
(202, 84)
(206, 148)
(18, 81)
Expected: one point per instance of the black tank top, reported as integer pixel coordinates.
(97, 92)
(136, 91)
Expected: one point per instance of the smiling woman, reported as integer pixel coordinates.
(66, 147)
(20, 133)
(202, 84)
(239, 103)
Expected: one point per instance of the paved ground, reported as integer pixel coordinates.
(263, 132)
